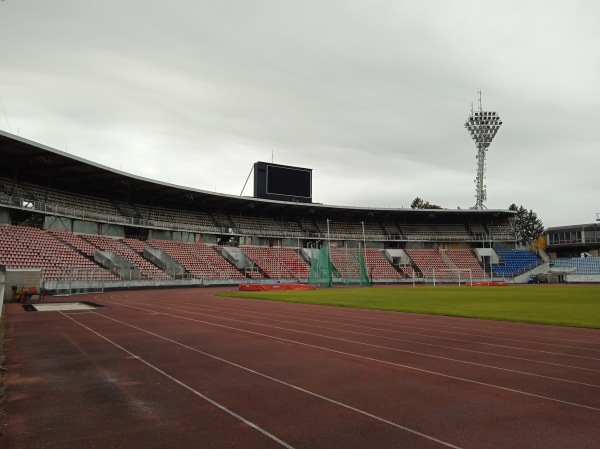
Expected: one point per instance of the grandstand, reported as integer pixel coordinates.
(584, 266)
(137, 231)
(514, 262)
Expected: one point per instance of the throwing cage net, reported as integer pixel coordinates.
(350, 264)
(321, 269)
(342, 265)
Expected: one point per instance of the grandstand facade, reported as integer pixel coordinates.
(63, 214)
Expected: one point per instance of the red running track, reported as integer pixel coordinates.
(185, 369)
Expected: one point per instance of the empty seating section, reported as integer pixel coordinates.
(434, 232)
(179, 217)
(26, 247)
(347, 263)
(222, 220)
(166, 218)
(378, 266)
(477, 229)
(583, 265)
(253, 273)
(67, 203)
(278, 262)
(310, 227)
(391, 228)
(321, 227)
(514, 262)
(503, 231)
(408, 271)
(198, 259)
(292, 226)
(137, 245)
(465, 260)
(148, 270)
(257, 226)
(352, 230)
(430, 263)
(75, 241)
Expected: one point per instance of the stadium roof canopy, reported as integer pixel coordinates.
(30, 161)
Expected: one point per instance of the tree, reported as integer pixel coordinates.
(528, 227)
(419, 203)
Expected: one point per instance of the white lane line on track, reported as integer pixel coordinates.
(295, 387)
(435, 326)
(436, 329)
(482, 365)
(430, 319)
(362, 357)
(187, 387)
(487, 344)
(247, 313)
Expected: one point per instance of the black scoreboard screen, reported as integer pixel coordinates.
(282, 182)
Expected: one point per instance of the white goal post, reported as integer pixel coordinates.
(460, 276)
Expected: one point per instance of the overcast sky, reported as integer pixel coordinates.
(372, 95)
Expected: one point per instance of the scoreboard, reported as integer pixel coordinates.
(282, 182)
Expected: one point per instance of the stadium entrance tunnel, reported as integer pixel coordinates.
(62, 306)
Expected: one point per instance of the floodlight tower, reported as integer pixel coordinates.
(483, 126)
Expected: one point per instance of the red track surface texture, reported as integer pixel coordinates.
(184, 369)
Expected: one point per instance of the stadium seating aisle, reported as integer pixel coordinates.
(278, 262)
(430, 263)
(465, 260)
(148, 270)
(198, 259)
(75, 241)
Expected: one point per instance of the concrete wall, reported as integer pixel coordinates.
(579, 278)
(291, 242)
(397, 256)
(164, 261)
(487, 252)
(112, 230)
(85, 227)
(4, 216)
(160, 234)
(116, 263)
(210, 239)
(237, 257)
(184, 236)
(63, 223)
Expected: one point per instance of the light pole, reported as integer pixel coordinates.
(364, 237)
(482, 126)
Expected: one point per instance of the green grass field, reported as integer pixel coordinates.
(564, 305)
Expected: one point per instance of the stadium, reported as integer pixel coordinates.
(153, 353)
(86, 226)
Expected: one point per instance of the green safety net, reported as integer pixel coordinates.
(321, 269)
(348, 267)
(352, 266)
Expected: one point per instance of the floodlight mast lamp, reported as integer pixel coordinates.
(482, 126)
